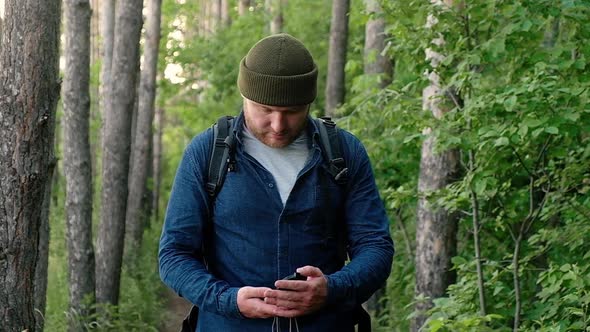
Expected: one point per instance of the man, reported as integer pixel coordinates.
(228, 254)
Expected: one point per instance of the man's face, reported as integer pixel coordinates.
(275, 126)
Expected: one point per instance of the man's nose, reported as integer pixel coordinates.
(278, 122)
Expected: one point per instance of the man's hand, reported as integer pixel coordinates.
(251, 303)
(297, 298)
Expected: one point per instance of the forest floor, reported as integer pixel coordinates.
(176, 309)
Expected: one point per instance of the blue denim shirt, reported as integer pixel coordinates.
(246, 237)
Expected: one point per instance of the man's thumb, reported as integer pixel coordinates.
(310, 271)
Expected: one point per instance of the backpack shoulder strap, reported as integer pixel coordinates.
(222, 154)
(330, 141)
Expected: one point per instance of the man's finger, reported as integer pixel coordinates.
(250, 292)
(290, 285)
(310, 271)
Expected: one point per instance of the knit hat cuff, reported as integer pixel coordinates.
(278, 90)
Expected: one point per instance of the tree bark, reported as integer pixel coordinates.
(243, 7)
(94, 31)
(107, 32)
(143, 134)
(275, 12)
(225, 17)
(436, 228)
(116, 142)
(337, 55)
(215, 15)
(375, 62)
(43, 254)
(77, 160)
(157, 161)
(28, 99)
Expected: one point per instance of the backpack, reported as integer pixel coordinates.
(222, 159)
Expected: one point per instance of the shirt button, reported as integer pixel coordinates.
(270, 185)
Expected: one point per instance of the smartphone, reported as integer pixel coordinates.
(295, 276)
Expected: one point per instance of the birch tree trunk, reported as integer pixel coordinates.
(337, 55)
(28, 98)
(375, 62)
(77, 160)
(143, 134)
(116, 142)
(436, 228)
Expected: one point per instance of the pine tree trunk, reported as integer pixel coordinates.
(77, 160)
(215, 15)
(143, 134)
(337, 55)
(225, 17)
(94, 31)
(275, 12)
(375, 62)
(243, 7)
(43, 254)
(157, 161)
(107, 33)
(436, 228)
(116, 143)
(28, 99)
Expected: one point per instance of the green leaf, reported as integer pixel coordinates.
(510, 103)
(572, 116)
(502, 141)
(552, 130)
(537, 132)
(532, 123)
(526, 25)
(523, 130)
(435, 325)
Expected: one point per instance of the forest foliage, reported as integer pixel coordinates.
(521, 123)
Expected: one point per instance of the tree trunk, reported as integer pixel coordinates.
(28, 99)
(77, 160)
(157, 161)
(1, 19)
(107, 32)
(116, 142)
(337, 55)
(215, 15)
(43, 254)
(436, 229)
(143, 134)
(275, 12)
(375, 62)
(94, 31)
(225, 17)
(243, 7)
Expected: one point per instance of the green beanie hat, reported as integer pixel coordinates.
(278, 71)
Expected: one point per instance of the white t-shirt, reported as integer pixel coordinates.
(283, 163)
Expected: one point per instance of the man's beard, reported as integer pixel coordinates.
(262, 135)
